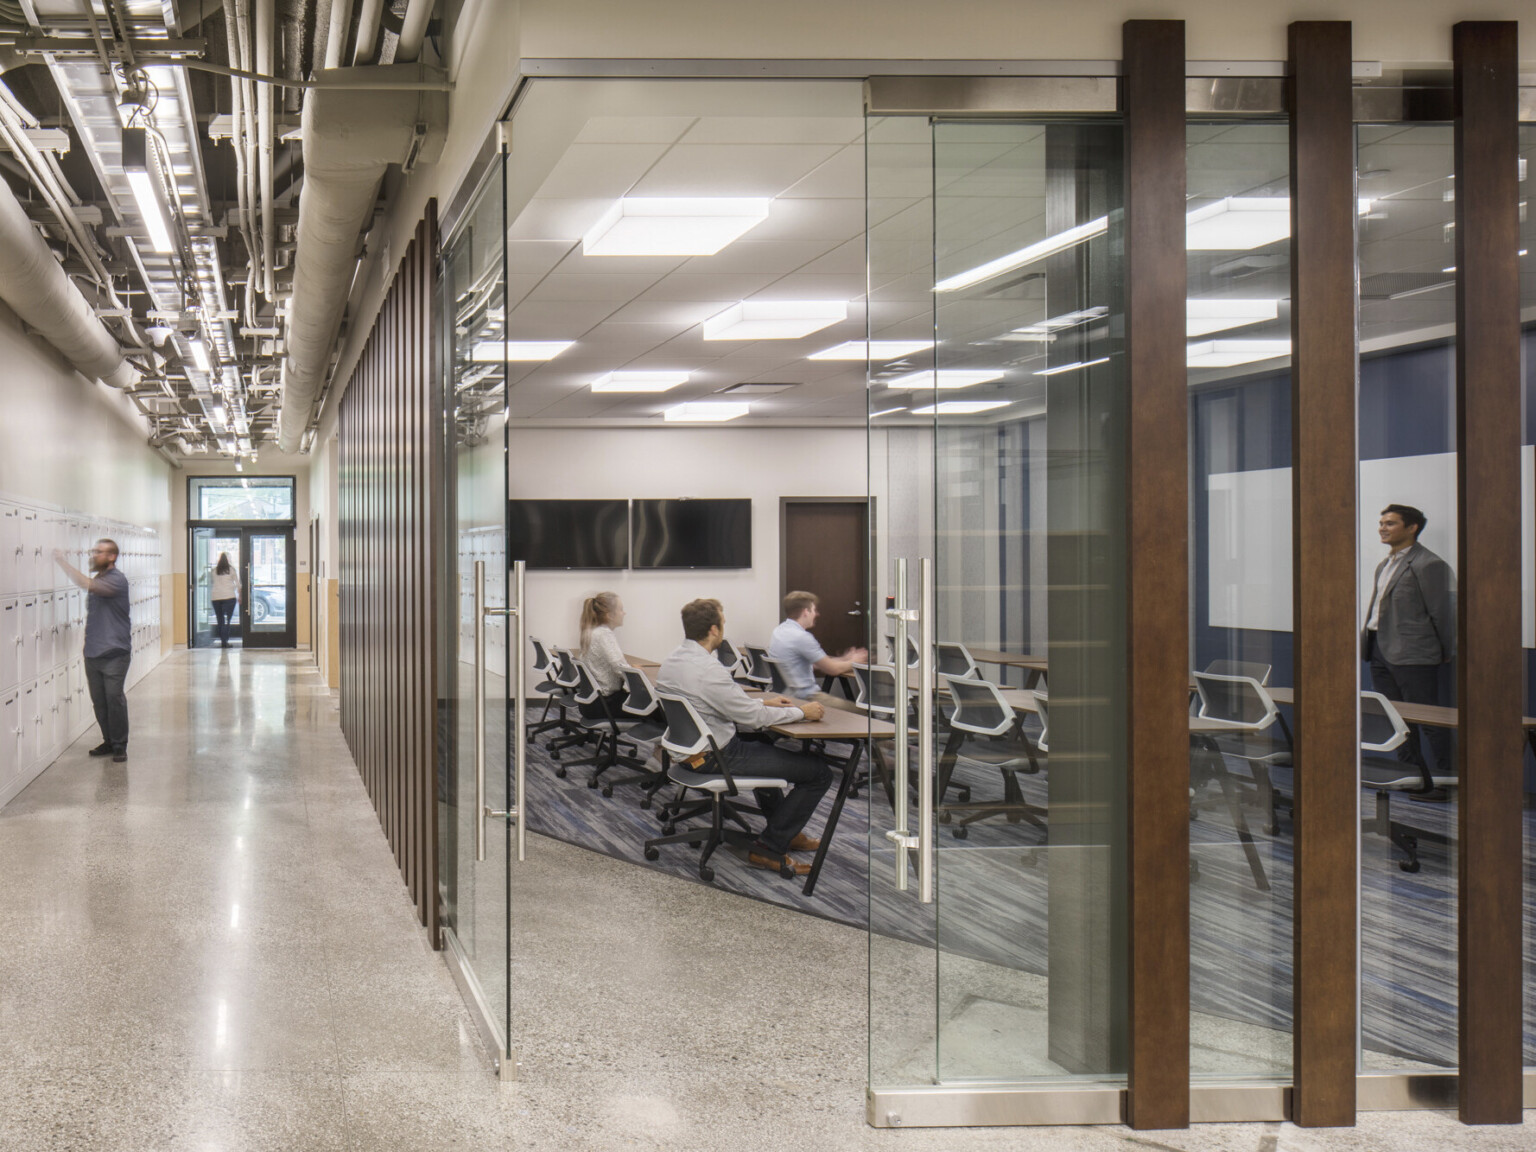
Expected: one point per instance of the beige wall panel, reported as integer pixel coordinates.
(333, 632)
(179, 607)
(301, 608)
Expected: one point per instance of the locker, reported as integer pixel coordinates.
(10, 520)
(30, 723)
(26, 664)
(47, 632)
(10, 643)
(10, 738)
(47, 715)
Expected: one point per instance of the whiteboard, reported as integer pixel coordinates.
(1249, 564)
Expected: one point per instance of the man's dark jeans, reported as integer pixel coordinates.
(107, 677)
(1415, 684)
(785, 814)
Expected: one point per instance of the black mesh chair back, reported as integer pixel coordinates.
(565, 670)
(776, 676)
(1237, 700)
(877, 688)
(541, 660)
(755, 666)
(641, 700)
(1253, 669)
(586, 687)
(954, 660)
(728, 655)
(1043, 710)
(979, 706)
(890, 643)
(686, 735)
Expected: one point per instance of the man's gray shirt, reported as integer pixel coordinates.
(107, 628)
(700, 678)
(797, 651)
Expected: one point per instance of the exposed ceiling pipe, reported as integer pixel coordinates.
(48, 301)
(336, 39)
(350, 138)
(237, 141)
(369, 17)
(264, 33)
(413, 30)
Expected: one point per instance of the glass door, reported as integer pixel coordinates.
(996, 401)
(473, 832)
(267, 608)
(208, 546)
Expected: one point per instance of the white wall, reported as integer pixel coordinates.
(762, 464)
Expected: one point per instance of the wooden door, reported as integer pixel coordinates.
(824, 548)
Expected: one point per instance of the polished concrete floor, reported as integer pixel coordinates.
(210, 949)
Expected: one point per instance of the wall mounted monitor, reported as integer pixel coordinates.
(692, 534)
(568, 533)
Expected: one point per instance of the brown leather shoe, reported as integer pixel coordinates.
(803, 843)
(774, 863)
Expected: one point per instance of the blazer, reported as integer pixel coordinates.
(1418, 612)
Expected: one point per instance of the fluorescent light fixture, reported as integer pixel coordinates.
(705, 412)
(1226, 353)
(887, 412)
(1065, 320)
(872, 350)
(1073, 367)
(1039, 250)
(494, 351)
(673, 225)
(1241, 223)
(945, 378)
(639, 381)
(1218, 315)
(142, 185)
(774, 319)
(200, 355)
(960, 407)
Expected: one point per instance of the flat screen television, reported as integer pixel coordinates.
(692, 534)
(568, 533)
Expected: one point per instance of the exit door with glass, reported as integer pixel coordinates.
(263, 562)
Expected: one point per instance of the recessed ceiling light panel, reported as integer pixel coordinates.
(639, 381)
(1029, 254)
(1226, 353)
(1218, 315)
(673, 225)
(774, 319)
(960, 407)
(1242, 223)
(945, 378)
(705, 412)
(495, 351)
(872, 350)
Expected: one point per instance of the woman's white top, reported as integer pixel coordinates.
(605, 659)
(225, 587)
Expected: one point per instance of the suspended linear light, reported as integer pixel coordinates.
(495, 351)
(945, 378)
(639, 381)
(1226, 353)
(705, 412)
(1204, 316)
(1073, 367)
(1039, 250)
(673, 225)
(872, 350)
(887, 412)
(1242, 223)
(200, 355)
(141, 183)
(960, 407)
(774, 319)
(1065, 320)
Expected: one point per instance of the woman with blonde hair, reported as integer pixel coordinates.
(600, 652)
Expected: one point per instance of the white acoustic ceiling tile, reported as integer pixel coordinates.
(552, 319)
(607, 170)
(636, 338)
(760, 256)
(566, 220)
(807, 286)
(634, 129)
(730, 169)
(679, 313)
(840, 176)
(576, 262)
(847, 259)
(818, 219)
(535, 257)
(615, 288)
(729, 286)
(775, 130)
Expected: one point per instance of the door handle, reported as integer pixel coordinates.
(925, 687)
(514, 811)
(901, 835)
(855, 612)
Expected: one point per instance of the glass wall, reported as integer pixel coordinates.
(1528, 562)
(1407, 597)
(1242, 727)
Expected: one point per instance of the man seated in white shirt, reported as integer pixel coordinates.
(800, 655)
(693, 672)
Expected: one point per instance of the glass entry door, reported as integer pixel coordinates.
(208, 545)
(263, 561)
(997, 901)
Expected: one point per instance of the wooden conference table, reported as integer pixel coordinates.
(835, 725)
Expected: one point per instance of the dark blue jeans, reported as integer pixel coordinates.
(224, 609)
(785, 814)
(106, 677)
(1415, 684)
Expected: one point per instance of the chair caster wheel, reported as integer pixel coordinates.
(960, 833)
(965, 795)
(945, 817)
(1410, 865)
(695, 843)
(645, 804)
(592, 783)
(652, 853)
(607, 791)
(706, 874)
(560, 772)
(668, 829)
(555, 755)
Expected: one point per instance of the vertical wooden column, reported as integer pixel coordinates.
(1157, 519)
(1488, 663)
(1324, 527)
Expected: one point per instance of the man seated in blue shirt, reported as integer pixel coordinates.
(800, 655)
(694, 673)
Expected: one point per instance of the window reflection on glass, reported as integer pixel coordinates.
(1406, 605)
(1241, 724)
(242, 498)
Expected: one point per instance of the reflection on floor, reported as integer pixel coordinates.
(991, 891)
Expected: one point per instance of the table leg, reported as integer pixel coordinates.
(849, 768)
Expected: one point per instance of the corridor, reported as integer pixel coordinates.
(211, 949)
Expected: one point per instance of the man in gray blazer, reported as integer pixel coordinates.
(1410, 627)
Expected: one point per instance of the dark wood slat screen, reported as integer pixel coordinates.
(388, 442)
(1324, 518)
(1157, 518)
(1488, 668)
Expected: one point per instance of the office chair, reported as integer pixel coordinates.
(544, 665)
(728, 656)
(912, 653)
(608, 730)
(567, 680)
(877, 696)
(986, 730)
(688, 742)
(638, 726)
(755, 667)
(776, 681)
(1382, 730)
(953, 661)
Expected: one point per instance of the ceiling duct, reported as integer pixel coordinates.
(350, 138)
(47, 300)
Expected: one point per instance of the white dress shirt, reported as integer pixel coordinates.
(700, 678)
(604, 659)
(1384, 578)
